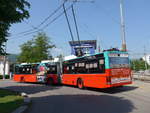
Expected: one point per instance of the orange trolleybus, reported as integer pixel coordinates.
(37, 73)
(102, 70)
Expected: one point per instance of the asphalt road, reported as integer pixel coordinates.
(134, 98)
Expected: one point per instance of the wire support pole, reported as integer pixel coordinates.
(65, 12)
(73, 12)
(146, 67)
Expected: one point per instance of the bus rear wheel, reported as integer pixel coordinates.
(80, 84)
(22, 79)
(50, 81)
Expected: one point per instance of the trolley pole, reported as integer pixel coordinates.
(123, 35)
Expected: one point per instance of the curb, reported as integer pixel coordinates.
(142, 79)
(25, 105)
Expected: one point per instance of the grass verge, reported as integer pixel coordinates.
(9, 101)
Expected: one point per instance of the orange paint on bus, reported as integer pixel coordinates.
(99, 80)
(33, 78)
(25, 77)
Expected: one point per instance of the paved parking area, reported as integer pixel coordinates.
(134, 98)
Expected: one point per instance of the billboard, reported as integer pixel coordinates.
(83, 47)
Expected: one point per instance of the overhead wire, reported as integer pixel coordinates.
(55, 11)
(44, 27)
(68, 23)
(57, 17)
(31, 25)
(44, 21)
(76, 26)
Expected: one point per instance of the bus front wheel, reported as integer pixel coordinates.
(80, 84)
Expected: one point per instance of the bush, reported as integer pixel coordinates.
(1, 77)
(6, 76)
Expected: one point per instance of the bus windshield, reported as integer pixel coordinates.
(119, 62)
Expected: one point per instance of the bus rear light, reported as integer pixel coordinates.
(108, 80)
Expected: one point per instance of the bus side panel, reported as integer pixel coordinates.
(69, 79)
(30, 78)
(25, 78)
(90, 80)
(96, 80)
(17, 77)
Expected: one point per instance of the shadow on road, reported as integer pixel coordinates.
(81, 104)
(32, 88)
(114, 90)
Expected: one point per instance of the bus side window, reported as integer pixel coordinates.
(87, 67)
(17, 70)
(101, 66)
(73, 69)
(54, 70)
(65, 69)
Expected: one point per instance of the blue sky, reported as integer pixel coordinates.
(98, 20)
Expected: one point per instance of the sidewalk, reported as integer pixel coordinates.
(141, 77)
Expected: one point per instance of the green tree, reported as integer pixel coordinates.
(37, 49)
(26, 52)
(138, 64)
(11, 11)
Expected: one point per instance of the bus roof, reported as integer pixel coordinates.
(26, 64)
(107, 52)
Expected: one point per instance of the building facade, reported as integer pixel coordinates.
(7, 66)
(147, 59)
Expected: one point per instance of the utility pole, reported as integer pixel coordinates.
(98, 45)
(123, 35)
(145, 58)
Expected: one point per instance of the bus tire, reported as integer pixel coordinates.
(50, 81)
(80, 83)
(22, 79)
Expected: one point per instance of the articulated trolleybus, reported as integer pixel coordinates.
(102, 70)
(37, 73)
